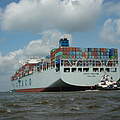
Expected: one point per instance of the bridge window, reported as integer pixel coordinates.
(73, 69)
(66, 69)
(95, 69)
(107, 69)
(79, 69)
(101, 69)
(85, 69)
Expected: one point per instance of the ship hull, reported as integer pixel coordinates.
(58, 86)
(52, 81)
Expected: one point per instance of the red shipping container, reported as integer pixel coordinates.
(84, 54)
(77, 50)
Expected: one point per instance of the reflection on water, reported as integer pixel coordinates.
(87, 105)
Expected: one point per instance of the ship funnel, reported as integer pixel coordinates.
(65, 40)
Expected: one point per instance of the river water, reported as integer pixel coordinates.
(82, 105)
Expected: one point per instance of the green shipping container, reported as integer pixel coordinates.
(58, 54)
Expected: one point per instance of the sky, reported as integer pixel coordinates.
(33, 27)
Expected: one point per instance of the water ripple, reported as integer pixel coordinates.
(87, 105)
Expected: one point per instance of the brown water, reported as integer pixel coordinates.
(87, 105)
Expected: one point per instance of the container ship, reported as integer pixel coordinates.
(67, 68)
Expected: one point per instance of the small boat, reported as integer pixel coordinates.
(107, 83)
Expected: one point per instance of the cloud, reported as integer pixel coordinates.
(6, 62)
(43, 46)
(41, 15)
(11, 62)
(111, 31)
(113, 8)
(8, 65)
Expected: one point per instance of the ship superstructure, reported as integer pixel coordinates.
(67, 69)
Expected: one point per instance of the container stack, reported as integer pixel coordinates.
(84, 53)
(29, 68)
(25, 70)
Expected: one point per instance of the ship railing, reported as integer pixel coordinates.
(90, 62)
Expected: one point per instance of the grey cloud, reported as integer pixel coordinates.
(40, 15)
(113, 8)
(111, 31)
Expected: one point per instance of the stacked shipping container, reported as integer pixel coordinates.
(70, 53)
(84, 53)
